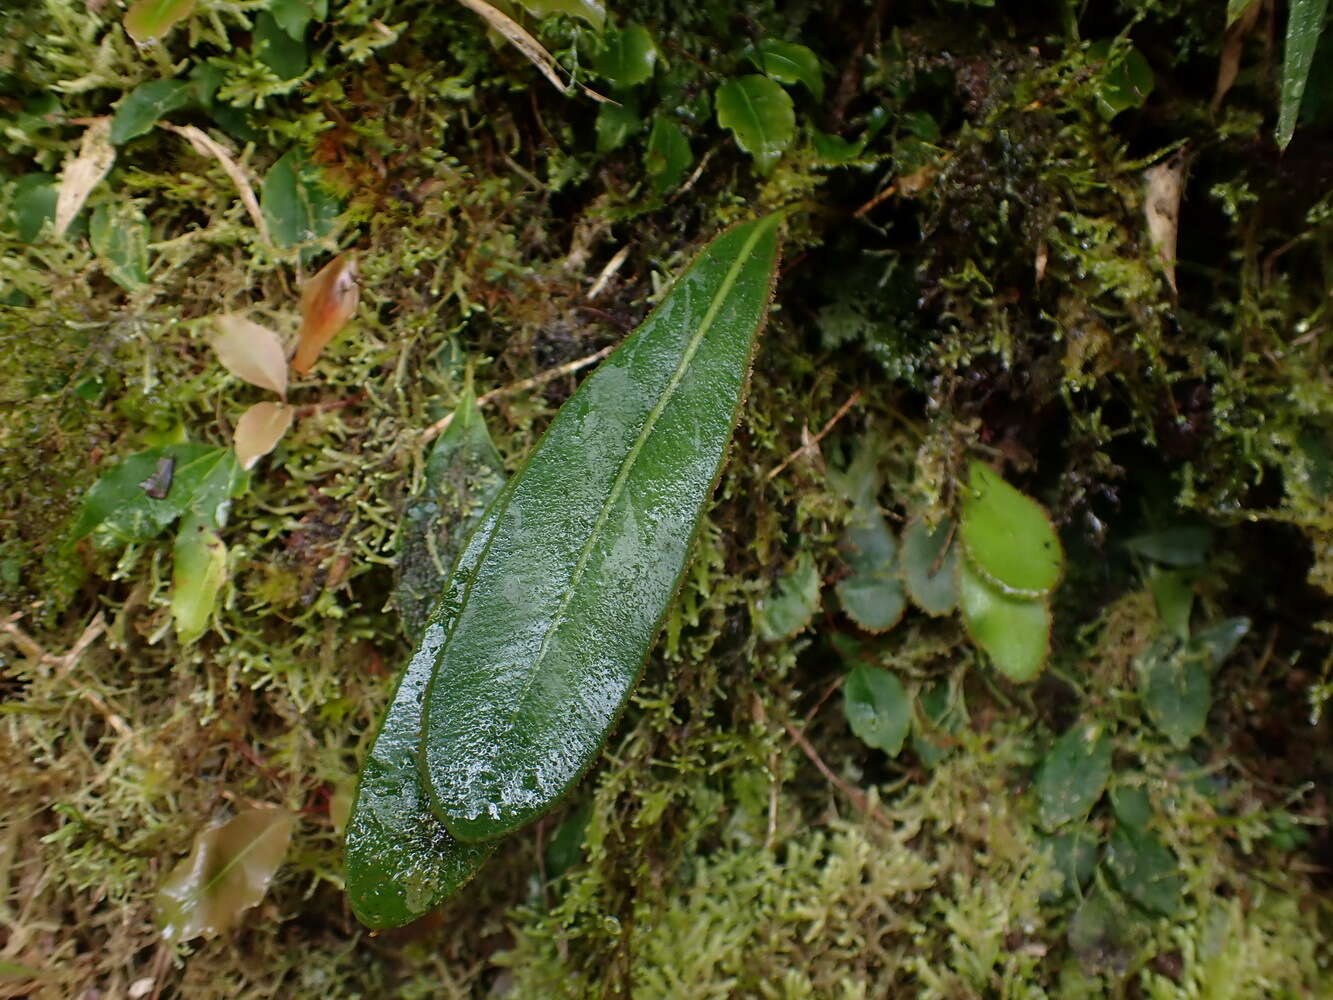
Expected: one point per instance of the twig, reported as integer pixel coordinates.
(857, 796)
(807, 446)
(541, 378)
(205, 146)
(612, 266)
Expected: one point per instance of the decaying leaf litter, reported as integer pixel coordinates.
(734, 776)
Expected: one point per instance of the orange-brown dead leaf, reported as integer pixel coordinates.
(328, 301)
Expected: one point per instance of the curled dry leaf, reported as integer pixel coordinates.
(251, 352)
(1163, 185)
(260, 429)
(83, 171)
(227, 872)
(328, 301)
(1228, 66)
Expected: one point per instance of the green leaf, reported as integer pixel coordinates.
(1008, 536)
(628, 57)
(1219, 641)
(463, 474)
(399, 860)
(836, 149)
(226, 873)
(1305, 23)
(943, 714)
(1126, 79)
(1145, 870)
(1074, 856)
(1173, 593)
(592, 11)
(292, 16)
(296, 205)
(145, 105)
(34, 202)
(119, 234)
(877, 708)
(792, 603)
(149, 19)
(667, 155)
(788, 62)
(278, 50)
(1131, 806)
(198, 571)
(566, 847)
(1014, 631)
(1182, 546)
(1073, 774)
(872, 593)
(590, 543)
(1176, 689)
(203, 479)
(759, 114)
(930, 566)
(616, 123)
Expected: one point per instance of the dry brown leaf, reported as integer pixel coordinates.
(328, 301)
(83, 171)
(1163, 185)
(260, 429)
(227, 872)
(251, 352)
(205, 146)
(536, 53)
(1232, 45)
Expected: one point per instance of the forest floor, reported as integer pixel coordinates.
(971, 274)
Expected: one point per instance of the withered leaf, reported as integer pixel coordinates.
(1163, 185)
(251, 352)
(260, 429)
(83, 171)
(328, 301)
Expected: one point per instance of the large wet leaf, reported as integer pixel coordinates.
(199, 478)
(1014, 631)
(877, 708)
(463, 474)
(1073, 774)
(399, 860)
(226, 873)
(1008, 536)
(589, 546)
(1305, 23)
(759, 114)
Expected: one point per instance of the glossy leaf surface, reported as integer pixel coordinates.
(759, 113)
(930, 566)
(789, 62)
(1008, 536)
(149, 19)
(1014, 631)
(399, 860)
(589, 545)
(1305, 23)
(877, 708)
(629, 56)
(463, 474)
(226, 873)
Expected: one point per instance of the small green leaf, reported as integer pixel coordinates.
(1145, 870)
(930, 566)
(1015, 632)
(667, 155)
(1073, 774)
(1126, 79)
(1173, 593)
(1074, 856)
(296, 205)
(1183, 546)
(149, 19)
(943, 713)
(463, 474)
(616, 123)
(1305, 23)
(566, 847)
(34, 202)
(292, 16)
(788, 62)
(759, 114)
(1219, 641)
(872, 592)
(1008, 536)
(592, 11)
(226, 873)
(119, 234)
(792, 603)
(836, 149)
(145, 105)
(628, 57)
(591, 539)
(877, 708)
(1176, 689)
(1131, 806)
(203, 480)
(198, 571)
(1100, 933)
(278, 50)
(399, 860)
